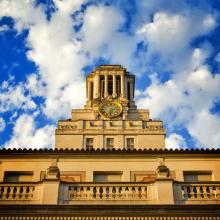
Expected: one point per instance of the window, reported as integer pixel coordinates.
(15, 176)
(110, 85)
(130, 143)
(190, 176)
(72, 176)
(107, 176)
(110, 143)
(89, 143)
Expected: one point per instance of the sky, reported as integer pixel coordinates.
(48, 46)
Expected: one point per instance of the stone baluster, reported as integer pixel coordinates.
(104, 193)
(186, 192)
(90, 192)
(81, 192)
(129, 192)
(110, 192)
(212, 192)
(17, 193)
(140, 192)
(200, 193)
(208, 192)
(24, 193)
(10, 192)
(123, 192)
(75, 192)
(217, 192)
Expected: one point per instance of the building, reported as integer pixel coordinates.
(110, 162)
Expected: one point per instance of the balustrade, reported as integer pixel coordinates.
(200, 191)
(107, 192)
(16, 192)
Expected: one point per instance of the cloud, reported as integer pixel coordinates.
(4, 28)
(103, 36)
(205, 128)
(27, 135)
(14, 97)
(185, 100)
(175, 141)
(100, 24)
(68, 6)
(23, 12)
(2, 124)
(169, 33)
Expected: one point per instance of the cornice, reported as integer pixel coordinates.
(112, 152)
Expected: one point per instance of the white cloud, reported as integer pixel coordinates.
(205, 128)
(68, 6)
(23, 11)
(4, 28)
(26, 135)
(59, 56)
(100, 23)
(169, 34)
(2, 124)
(161, 97)
(185, 101)
(175, 141)
(14, 97)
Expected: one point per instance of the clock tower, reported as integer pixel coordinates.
(110, 118)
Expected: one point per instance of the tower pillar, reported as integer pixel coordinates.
(122, 85)
(114, 86)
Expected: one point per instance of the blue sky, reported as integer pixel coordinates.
(48, 46)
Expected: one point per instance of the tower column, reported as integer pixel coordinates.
(114, 86)
(96, 87)
(106, 85)
(122, 85)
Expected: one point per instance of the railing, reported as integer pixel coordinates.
(101, 192)
(199, 192)
(17, 192)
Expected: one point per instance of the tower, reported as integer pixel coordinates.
(110, 117)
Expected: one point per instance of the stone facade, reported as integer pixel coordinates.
(110, 162)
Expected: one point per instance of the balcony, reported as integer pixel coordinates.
(20, 193)
(198, 193)
(105, 193)
(120, 193)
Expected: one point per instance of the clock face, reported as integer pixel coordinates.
(110, 109)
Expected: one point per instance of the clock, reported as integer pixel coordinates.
(110, 109)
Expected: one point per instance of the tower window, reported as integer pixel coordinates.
(91, 92)
(118, 85)
(110, 85)
(89, 143)
(130, 143)
(109, 143)
(128, 90)
(102, 86)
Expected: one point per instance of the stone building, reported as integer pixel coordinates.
(109, 162)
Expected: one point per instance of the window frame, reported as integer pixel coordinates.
(89, 146)
(130, 147)
(111, 146)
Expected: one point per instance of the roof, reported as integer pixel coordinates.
(77, 151)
